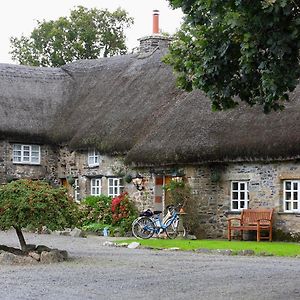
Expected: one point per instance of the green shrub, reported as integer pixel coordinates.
(95, 209)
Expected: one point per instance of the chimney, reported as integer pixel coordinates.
(155, 41)
(155, 21)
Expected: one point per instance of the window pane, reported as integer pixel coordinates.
(242, 186)
(35, 159)
(25, 158)
(288, 185)
(26, 148)
(235, 186)
(235, 195)
(288, 206)
(242, 204)
(295, 194)
(288, 195)
(17, 147)
(111, 191)
(35, 148)
(242, 196)
(234, 205)
(295, 205)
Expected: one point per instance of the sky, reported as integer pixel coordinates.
(19, 17)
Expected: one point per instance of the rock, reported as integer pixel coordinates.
(109, 244)
(30, 247)
(265, 254)
(53, 256)
(41, 248)
(76, 232)
(45, 230)
(246, 252)
(133, 245)
(12, 259)
(203, 250)
(172, 249)
(224, 251)
(122, 245)
(34, 255)
(191, 237)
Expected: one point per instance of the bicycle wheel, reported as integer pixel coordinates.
(143, 228)
(172, 229)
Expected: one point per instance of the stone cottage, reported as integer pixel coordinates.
(89, 123)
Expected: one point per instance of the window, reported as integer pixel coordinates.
(26, 154)
(115, 187)
(239, 195)
(93, 158)
(96, 186)
(291, 193)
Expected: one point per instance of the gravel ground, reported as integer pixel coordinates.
(101, 272)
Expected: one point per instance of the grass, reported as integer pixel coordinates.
(274, 248)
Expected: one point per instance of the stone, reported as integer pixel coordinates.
(76, 232)
(172, 249)
(191, 237)
(133, 245)
(30, 247)
(53, 256)
(246, 252)
(203, 250)
(224, 251)
(122, 245)
(12, 259)
(41, 248)
(109, 244)
(34, 255)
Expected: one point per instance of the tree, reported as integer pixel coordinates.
(85, 34)
(26, 203)
(238, 48)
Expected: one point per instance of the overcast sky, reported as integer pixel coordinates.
(19, 17)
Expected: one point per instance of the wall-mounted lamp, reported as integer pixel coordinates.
(138, 182)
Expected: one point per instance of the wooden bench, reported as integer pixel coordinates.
(252, 219)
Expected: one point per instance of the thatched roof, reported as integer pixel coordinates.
(128, 104)
(30, 101)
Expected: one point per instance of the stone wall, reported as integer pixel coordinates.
(211, 186)
(47, 169)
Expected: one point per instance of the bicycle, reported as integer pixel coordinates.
(150, 223)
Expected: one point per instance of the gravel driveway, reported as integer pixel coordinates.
(102, 272)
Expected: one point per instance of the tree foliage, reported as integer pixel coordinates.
(238, 48)
(85, 34)
(26, 203)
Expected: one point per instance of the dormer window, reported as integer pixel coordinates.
(93, 158)
(26, 154)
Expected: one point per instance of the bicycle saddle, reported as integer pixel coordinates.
(157, 212)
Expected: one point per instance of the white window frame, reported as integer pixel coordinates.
(93, 158)
(293, 200)
(115, 186)
(26, 154)
(76, 190)
(239, 195)
(96, 186)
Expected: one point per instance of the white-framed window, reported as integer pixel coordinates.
(115, 187)
(76, 190)
(96, 186)
(93, 158)
(26, 154)
(291, 195)
(239, 195)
